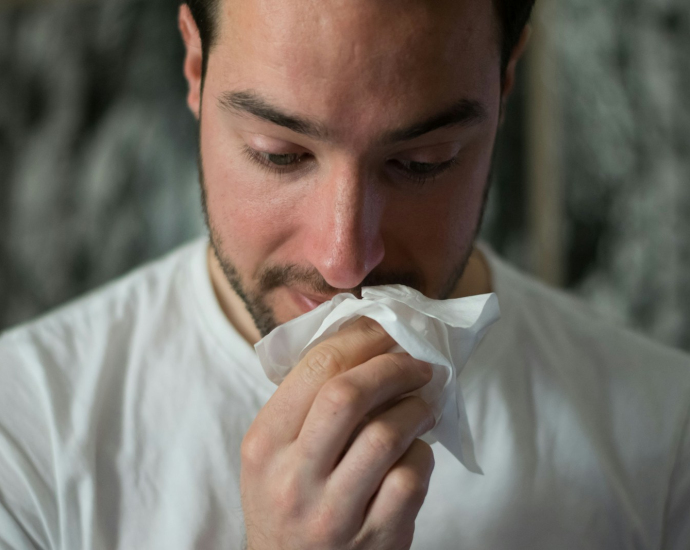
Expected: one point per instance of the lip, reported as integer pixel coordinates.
(307, 302)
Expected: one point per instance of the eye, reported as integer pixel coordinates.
(287, 159)
(422, 172)
(420, 167)
(277, 163)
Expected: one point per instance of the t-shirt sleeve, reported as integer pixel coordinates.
(27, 498)
(677, 517)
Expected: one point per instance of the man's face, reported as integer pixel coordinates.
(347, 143)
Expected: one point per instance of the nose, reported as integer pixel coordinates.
(344, 239)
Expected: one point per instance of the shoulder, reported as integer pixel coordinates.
(610, 378)
(603, 391)
(85, 346)
(62, 379)
(561, 323)
(147, 292)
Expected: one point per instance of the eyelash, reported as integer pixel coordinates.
(418, 178)
(424, 178)
(272, 168)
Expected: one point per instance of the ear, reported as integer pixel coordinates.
(193, 58)
(509, 77)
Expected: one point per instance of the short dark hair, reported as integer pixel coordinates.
(513, 16)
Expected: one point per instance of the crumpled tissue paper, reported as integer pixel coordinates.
(443, 333)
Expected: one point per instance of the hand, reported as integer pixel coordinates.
(332, 461)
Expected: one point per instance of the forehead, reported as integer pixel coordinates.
(359, 61)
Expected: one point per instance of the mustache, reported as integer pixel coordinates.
(311, 280)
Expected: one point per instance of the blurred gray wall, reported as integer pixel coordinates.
(98, 173)
(97, 150)
(625, 76)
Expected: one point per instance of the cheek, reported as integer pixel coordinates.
(247, 213)
(436, 235)
(436, 232)
(439, 225)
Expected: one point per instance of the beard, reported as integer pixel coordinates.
(270, 278)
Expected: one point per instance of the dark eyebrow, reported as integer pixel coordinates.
(252, 103)
(465, 112)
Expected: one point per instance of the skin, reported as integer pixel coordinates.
(333, 459)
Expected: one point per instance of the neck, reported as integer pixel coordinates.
(475, 280)
(231, 304)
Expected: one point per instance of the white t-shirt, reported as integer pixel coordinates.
(121, 417)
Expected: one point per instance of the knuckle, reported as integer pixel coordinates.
(409, 485)
(340, 394)
(407, 366)
(372, 328)
(255, 448)
(425, 413)
(322, 363)
(383, 440)
(398, 534)
(426, 456)
(328, 529)
(399, 361)
(288, 496)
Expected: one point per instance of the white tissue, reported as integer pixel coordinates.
(443, 333)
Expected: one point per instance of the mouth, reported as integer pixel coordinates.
(307, 302)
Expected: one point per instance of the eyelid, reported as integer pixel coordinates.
(274, 146)
(400, 166)
(434, 154)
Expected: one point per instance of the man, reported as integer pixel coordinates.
(342, 144)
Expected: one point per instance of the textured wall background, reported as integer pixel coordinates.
(97, 151)
(625, 67)
(98, 174)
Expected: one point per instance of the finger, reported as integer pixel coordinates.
(290, 404)
(394, 508)
(377, 448)
(345, 401)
